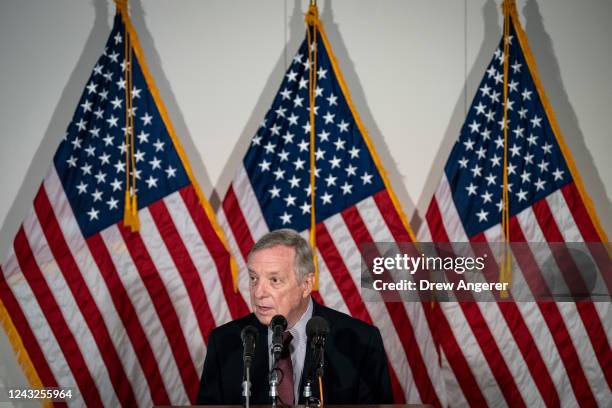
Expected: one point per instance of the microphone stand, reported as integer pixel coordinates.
(273, 380)
(246, 382)
(316, 369)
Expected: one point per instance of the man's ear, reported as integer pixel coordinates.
(307, 285)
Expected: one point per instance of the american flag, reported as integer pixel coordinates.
(511, 353)
(354, 204)
(119, 317)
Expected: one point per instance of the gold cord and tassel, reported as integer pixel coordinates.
(312, 21)
(505, 274)
(130, 207)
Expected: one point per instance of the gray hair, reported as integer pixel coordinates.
(304, 263)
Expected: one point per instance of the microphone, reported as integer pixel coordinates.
(248, 336)
(317, 329)
(278, 325)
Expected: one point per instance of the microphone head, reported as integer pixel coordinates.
(317, 326)
(279, 320)
(249, 331)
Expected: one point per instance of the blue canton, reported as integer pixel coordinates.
(278, 160)
(90, 161)
(536, 167)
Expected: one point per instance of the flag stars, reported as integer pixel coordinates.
(303, 83)
(532, 139)
(319, 154)
(305, 208)
(293, 119)
(91, 88)
(86, 169)
(269, 148)
(330, 180)
(516, 67)
(366, 178)
(119, 166)
(343, 126)
(86, 106)
(463, 162)
(97, 195)
(288, 137)
(481, 153)
(121, 83)
(283, 155)
(299, 164)
(526, 94)
(547, 148)
(536, 121)
(291, 76)
(143, 137)
(482, 215)
(543, 165)
(104, 159)
(474, 127)
(118, 38)
(275, 130)
(139, 155)
(351, 170)
(99, 113)
(516, 150)
(279, 174)
(151, 182)
(529, 158)
(159, 145)
(346, 188)
(339, 144)
(354, 152)
(117, 103)
(72, 161)
(93, 214)
(155, 163)
(264, 165)
(490, 179)
(91, 150)
(513, 86)
(274, 192)
(539, 184)
(280, 112)
(290, 200)
(81, 125)
(525, 176)
(495, 160)
(469, 144)
(286, 218)
(146, 119)
(112, 121)
(170, 172)
(294, 181)
(113, 204)
(298, 101)
(82, 188)
(511, 169)
(476, 171)
(286, 93)
(100, 177)
(332, 100)
(480, 108)
(522, 113)
(485, 90)
(518, 131)
(321, 73)
(486, 197)
(329, 118)
(327, 198)
(558, 174)
(116, 184)
(521, 195)
(471, 189)
(324, 136)
(335, 162)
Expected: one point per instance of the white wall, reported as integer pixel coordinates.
(411, 66)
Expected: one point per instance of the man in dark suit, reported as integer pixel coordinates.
(281, 273)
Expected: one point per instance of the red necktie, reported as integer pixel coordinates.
(285, 387)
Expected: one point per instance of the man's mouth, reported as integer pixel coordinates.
(264, 309)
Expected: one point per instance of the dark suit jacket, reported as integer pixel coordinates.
(355, 363)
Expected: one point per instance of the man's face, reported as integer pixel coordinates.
(274, 287)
